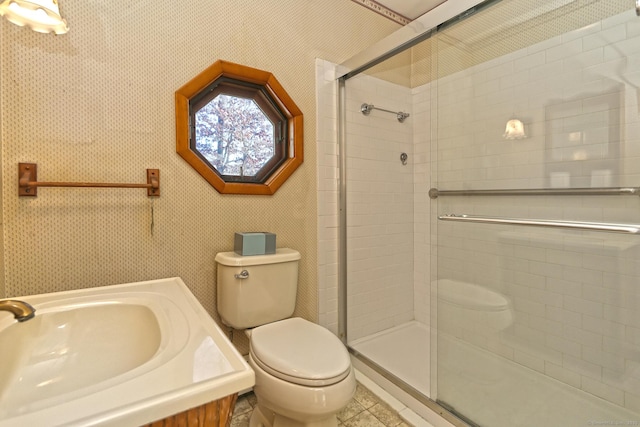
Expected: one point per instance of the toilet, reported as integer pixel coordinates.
(303, 372)
(471, 308)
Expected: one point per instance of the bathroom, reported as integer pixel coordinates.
(96, 104)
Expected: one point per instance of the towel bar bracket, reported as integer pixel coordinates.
(28, 182)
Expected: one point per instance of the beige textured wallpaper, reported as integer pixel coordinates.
(97, 104)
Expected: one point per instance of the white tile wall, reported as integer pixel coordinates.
(380, 208)
(422, 121)
(384, 288)
(328, 221)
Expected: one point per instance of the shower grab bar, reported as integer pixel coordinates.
(434, 193)
(575, 225)
(366, 109)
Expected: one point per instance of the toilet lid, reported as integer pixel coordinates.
(300, 352)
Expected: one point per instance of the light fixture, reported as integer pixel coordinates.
(42, 16)
(514, 130)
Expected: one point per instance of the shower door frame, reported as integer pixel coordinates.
(414, 33)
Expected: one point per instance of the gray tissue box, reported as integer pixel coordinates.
(254, 243)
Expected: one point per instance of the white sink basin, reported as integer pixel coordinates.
(59, 352)
(118, 355)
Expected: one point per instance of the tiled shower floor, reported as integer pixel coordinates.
(364, 410)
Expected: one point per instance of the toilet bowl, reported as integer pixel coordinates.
(303, 372)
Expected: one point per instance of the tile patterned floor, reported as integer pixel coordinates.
(364, 410)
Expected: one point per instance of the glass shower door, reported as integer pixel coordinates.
(537, 325)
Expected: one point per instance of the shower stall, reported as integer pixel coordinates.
(509, 294)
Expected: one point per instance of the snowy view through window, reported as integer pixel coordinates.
(234, 135)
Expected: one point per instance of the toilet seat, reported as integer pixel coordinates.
(300, 352)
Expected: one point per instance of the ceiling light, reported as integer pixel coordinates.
(42, 16)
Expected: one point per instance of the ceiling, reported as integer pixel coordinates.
(401, 11)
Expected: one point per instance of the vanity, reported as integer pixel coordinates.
(135, 354)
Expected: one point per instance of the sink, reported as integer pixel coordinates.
(118, 355)
(57, 351)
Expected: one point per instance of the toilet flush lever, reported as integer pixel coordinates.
(244, 274)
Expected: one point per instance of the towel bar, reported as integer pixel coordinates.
(434, 193)
(574, 225)
(28, 182)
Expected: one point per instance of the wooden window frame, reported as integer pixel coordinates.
(268, 86)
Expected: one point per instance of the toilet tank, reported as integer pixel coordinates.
(259, 289)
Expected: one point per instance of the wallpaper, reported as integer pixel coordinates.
(97, 105)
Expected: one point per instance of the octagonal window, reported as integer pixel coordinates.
(242, 133)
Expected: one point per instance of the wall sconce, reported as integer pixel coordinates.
(42, 16)
(514, 130)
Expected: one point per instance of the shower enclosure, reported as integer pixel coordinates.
(494, 307)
